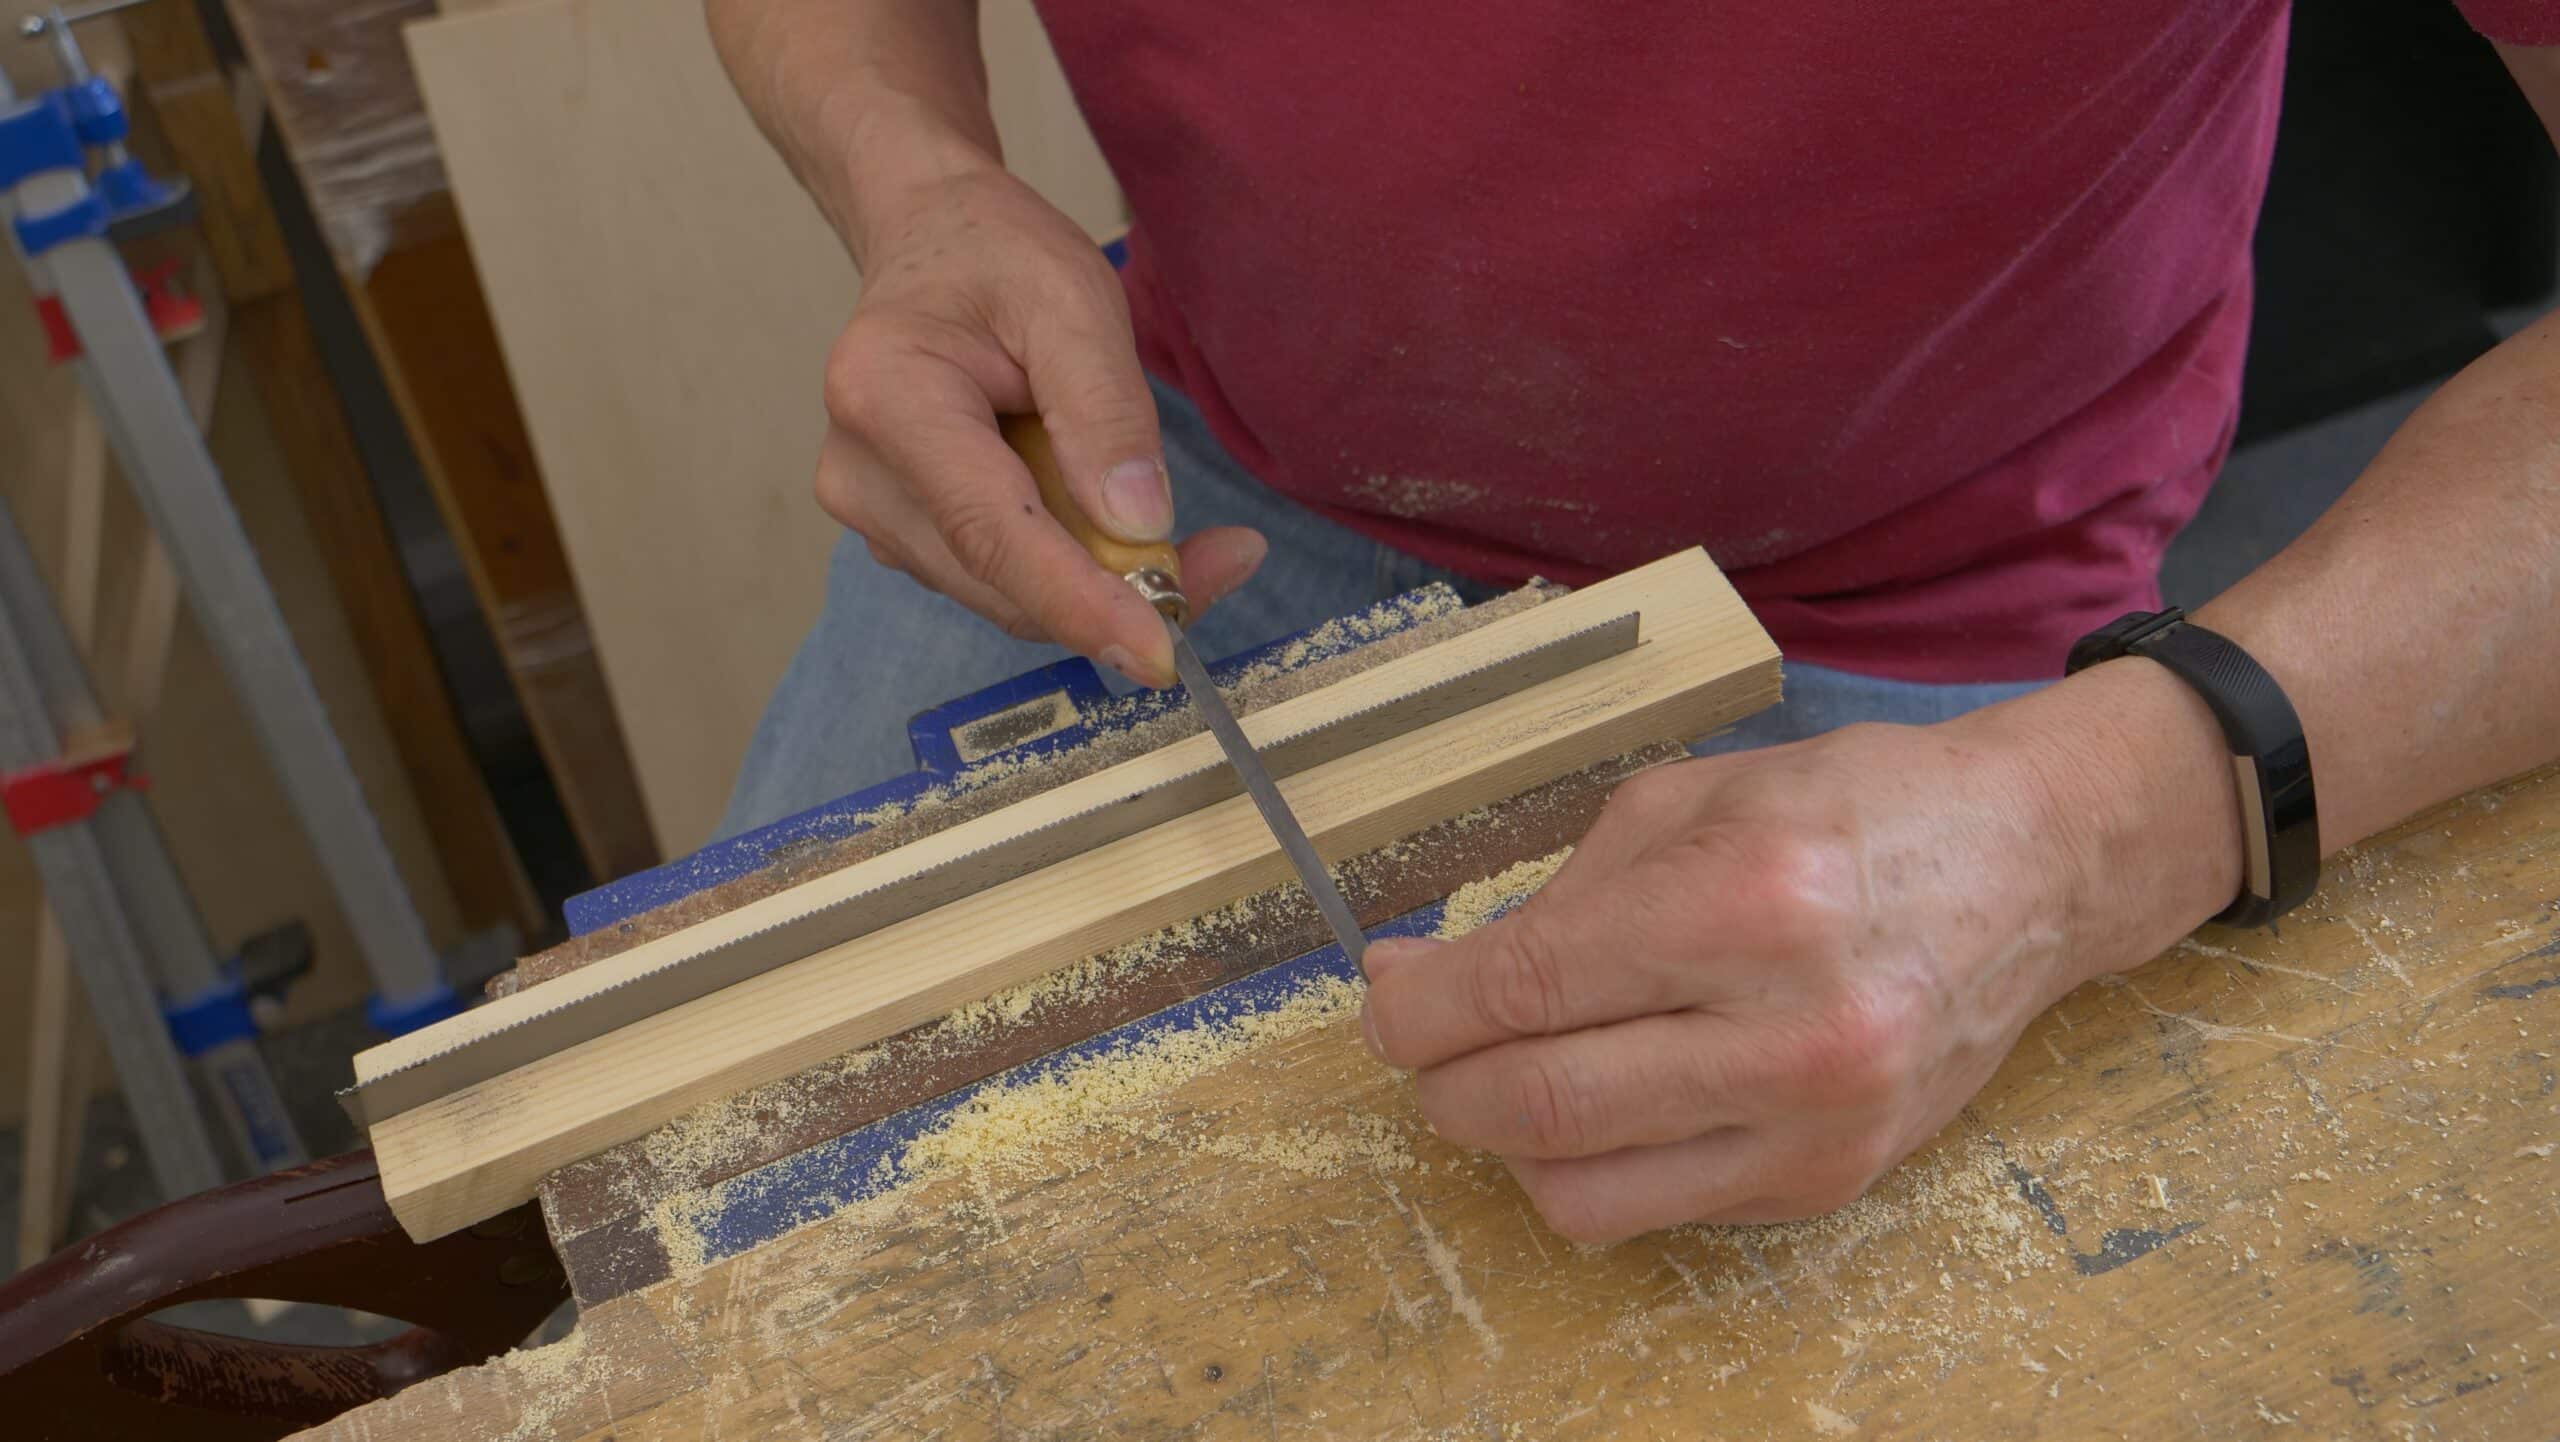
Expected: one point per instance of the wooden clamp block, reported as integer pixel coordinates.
(1702, 663)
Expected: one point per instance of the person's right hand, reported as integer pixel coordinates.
(985, 300)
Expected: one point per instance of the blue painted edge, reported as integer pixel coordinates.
(934, 734)
(810, 1185)
(722, 861)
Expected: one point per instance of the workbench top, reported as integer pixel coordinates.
(2297, 1185)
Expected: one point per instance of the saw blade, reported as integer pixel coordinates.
(688, 977)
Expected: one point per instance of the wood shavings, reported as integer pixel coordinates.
(1478, 902)
(718, 1136)
(1829, 1421)
(997, 1131)
(550, 1381)
(1343, 632)
(1086, 980)
(1366, 1141)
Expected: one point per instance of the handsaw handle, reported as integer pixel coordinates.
(80, 1355)
(1153, 567)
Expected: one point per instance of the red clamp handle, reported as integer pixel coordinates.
(173, 312)
(56, 793)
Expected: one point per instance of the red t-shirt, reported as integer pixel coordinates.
(1925, 320)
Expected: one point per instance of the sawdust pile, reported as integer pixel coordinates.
(1478, 902)
(1091, 979)
(1431, 603)
(1367, 1142)
(1001, 1133)
(716, 1137)
(547, 1383)
(1007, 1133)
(1964, 1187)
(1010, 1132)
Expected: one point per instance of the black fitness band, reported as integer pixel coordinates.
(2272, 762)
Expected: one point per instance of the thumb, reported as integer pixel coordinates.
(1092, 396)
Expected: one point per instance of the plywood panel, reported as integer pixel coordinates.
(666, 295)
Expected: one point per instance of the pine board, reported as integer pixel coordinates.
(1702, 662)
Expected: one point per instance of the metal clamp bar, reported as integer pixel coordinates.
(173, 476)
(104, 944)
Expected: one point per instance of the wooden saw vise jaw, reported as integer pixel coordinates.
(1047, 822)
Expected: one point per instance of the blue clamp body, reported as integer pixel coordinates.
(43, 135)
(36, 136)
(218, 1014)
(397, 1016)
(52, 132)
(934, 735)
(97, 112)
(127, 189)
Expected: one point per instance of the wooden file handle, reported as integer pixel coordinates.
(1030, 440)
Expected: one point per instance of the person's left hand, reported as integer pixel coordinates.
(1762, 979)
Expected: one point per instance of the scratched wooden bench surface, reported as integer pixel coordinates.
(2297, 1186)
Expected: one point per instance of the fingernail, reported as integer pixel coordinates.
(1369, 1033)
(1388, 954)
(1119, 659)
(1138, 501)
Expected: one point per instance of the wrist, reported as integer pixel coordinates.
(2133, 778)
(893, 152)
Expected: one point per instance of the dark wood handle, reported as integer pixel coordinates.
(81, 1357)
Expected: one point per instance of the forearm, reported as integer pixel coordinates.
(867, 100)
(2416, 627)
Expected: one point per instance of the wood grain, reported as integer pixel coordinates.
(1703, 662)
(2268, 1186)
(472, 848)
(424, 315)
(352, 124)
(200, 116)
(666, 297)
(192, 98)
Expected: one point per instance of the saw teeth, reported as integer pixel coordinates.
(1215, 778)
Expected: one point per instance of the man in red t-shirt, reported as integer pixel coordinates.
(1926, 321)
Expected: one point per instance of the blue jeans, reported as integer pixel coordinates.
(885, 648)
